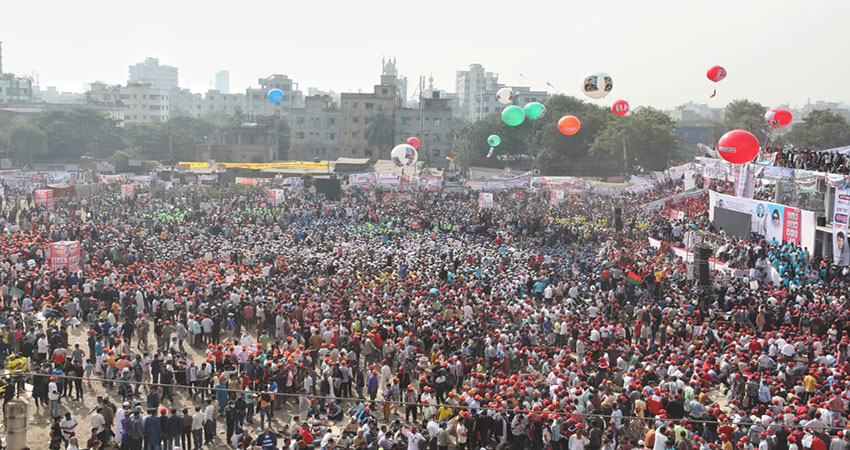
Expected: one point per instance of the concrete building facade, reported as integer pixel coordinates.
(469, 86)
(434, 126)
(358, 110)
(487, 103)
(15, 90)
(247, 143)
(315, 129)
(257, 103)
(151, 72)
(222, 81)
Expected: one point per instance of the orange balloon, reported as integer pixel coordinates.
(569, 125)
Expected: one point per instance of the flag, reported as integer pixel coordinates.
(450, 157)
(713, 94)
(415, 225)
(633, 278)
(17, 293)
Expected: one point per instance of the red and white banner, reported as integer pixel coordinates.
(275, 197)
(65, 255)
(44, 198)
(128, 191)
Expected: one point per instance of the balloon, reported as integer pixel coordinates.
(404, 155)
(535, 110)
(275, 96)
(413, 142)
(513, 116)
(494, 140)
(597, 85)
(569, 125)
(738, 146)
(777, 117)
(620, 107)
(716, 73)
(505, 96)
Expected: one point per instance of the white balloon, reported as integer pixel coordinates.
(505, 96)
(597, 85)
(404, 155)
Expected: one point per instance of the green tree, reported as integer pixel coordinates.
(568, 155)
(173, 140)
(473, 141)
(641, 141)
(380, 132)
(820, 130)
(72, 133)
(26, 141)
(744, 115)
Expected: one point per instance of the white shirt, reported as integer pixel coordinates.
(52, 391)
(198, 421)
(576, 443)
(98, 422)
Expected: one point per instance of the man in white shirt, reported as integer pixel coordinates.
(209, 422)
(53, 395)
(576, 440)
(68, 424)
(198, 427)
(98, 423)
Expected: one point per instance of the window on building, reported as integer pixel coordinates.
(367, 120)
(354, 105)
(331, 136)
(210, 98)
(368, 152)
(355, 134)
(355, 120)
(332, 121)
(436, 122)
(299, 135)
(405, 121)
(369, 105)
(299, 120)
(384, 91)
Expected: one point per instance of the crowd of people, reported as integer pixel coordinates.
(204, 317)
(827, 162)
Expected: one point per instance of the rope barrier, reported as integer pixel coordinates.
(435, 405)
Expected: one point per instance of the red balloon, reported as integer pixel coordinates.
(778, 117)
(413, 142)
(716, 73)
(738, 146)
(569, 125)
(620, 107)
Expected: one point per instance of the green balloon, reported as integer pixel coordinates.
(494, 140)
(513, 116)
(535, 110)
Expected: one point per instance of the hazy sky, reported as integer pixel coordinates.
(775, 51)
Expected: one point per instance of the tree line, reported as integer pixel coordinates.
(644, 140)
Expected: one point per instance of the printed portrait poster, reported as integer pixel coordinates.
(840, 249)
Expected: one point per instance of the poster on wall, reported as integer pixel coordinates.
(773, 221)
(840, 250)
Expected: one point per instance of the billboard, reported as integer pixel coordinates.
(772, 221)
(840, 250)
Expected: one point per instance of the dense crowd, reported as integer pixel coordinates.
(827, 162)
(418, 322)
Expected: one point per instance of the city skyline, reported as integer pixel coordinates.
(656, 59)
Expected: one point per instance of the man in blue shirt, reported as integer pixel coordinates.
(153, 432)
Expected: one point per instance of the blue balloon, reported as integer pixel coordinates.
(275, 96)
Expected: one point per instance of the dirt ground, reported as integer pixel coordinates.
(38, 427)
